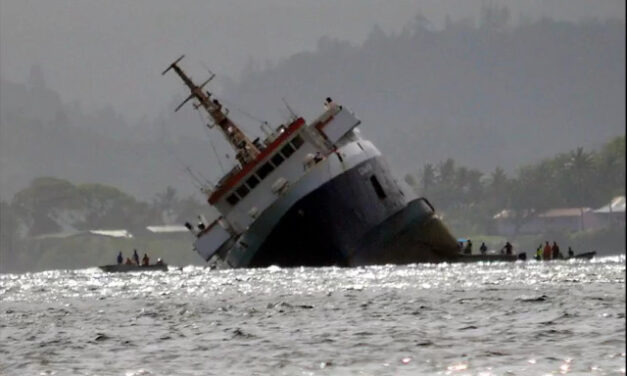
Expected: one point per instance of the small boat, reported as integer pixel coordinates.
(585, 255)
(489, 258)
(580, 256)
(133, 268)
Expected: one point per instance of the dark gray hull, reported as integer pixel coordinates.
(360, 217)
(122, 268)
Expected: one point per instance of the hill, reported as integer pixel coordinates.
(488, 95)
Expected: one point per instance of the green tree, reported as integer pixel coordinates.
(580, 167)
(428, 178)
(610, 164)
(37, 204)
(165, 204)
(188, 208)
(9, 237)
(108, 207)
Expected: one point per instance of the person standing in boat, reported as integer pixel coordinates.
(120, 258)
(555, 249)
(508, 247)
(546, 255)
(571, 253)
(468, 249)
(483, 248)
(539, 252)
(329, 104)
(145, 260)
(135, 257)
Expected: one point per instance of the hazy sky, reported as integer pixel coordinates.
(113, 52)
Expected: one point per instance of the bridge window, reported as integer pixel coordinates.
(297, 141)
(242, 190)
(265, 170)
(252, 181)
(232, 199)
(277, 159)
(287, 150)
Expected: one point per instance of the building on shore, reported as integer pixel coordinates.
(508, 223)
(612, 214)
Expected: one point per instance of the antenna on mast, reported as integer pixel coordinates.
(246, 150)
(292, 113)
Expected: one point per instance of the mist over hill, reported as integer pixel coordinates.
(42, 136)
(488, 94)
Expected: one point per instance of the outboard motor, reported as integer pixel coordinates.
(522, 256)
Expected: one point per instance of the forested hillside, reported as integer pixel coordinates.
(488, 95)
(483, 92)
(43, 136)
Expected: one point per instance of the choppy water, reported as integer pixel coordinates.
(563, 317)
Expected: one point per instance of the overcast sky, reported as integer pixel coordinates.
(112, 52)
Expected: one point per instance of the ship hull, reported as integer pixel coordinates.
(360, 217)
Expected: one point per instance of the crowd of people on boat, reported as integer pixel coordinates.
(551, 252)
(546, 252)
(145, 261)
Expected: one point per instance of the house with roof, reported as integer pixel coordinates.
(612, 214)
(508, 222)
(569, 219)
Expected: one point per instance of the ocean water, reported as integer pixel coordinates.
(523, 318)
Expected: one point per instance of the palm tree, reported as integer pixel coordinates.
(428, 177)
(580, 166)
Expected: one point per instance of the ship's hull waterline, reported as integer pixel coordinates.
(359, 217)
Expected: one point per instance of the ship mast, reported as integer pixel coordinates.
(245, 149)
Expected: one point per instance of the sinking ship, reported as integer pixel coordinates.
(311, 194)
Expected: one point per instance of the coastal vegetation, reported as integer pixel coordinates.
(468, 198)
(45, 224)
(475, 91)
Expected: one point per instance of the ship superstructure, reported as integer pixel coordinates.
(311, 194)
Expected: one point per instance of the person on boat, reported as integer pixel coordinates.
(159, 261)
(508, 247)
(546, 254)
(555, 249)
(135, 257)
(145, 260)
(329, 104)
(483, 248)
(317, 157)
(468, 249)
(120, 258)
(539, 252)
(571, 253)
(128, 261)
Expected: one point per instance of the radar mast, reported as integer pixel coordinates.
(245, 149)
